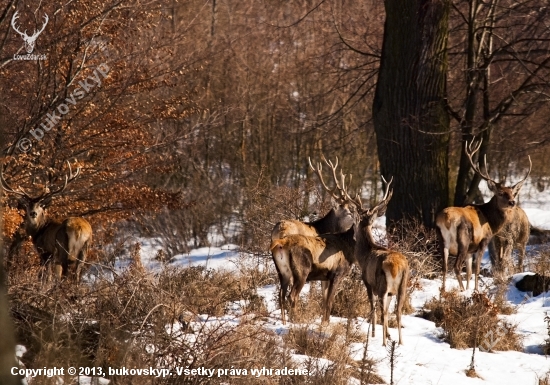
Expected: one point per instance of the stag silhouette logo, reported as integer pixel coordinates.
(30, 41)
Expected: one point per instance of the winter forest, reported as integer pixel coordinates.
(259, 192)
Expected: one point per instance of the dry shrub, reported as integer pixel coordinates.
(419, 244)
(137, 319)
(540, 260)
(205, 291)
(266, 205)
(472, 321)
(334, 344)
(500, 296)
(352, 300)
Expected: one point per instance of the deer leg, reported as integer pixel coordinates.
(282, 295)
(401, 298)
(479, 255)
(372, 301)
(297, 287)
(325, 285)
(331, 292)
(463, 241)
(445, 255)
(385, 303)
(469, 270)
(457, 267)
(328, 296)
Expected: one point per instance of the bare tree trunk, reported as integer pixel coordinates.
(7, 339)
(410, 117)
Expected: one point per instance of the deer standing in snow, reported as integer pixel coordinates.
(385, 272)
(299, 258)
(338, 220)
(466, 230)
(307, 252)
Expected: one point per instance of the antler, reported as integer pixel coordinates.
(470, 153)
(35, 34)
(519, 185)
(68, 179)
(13, 19)
(8, 188)
(380, 205)
(340, 186)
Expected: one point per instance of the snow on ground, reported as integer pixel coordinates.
(224, 257)
(424, 358)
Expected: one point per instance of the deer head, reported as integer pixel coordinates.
(505, 196)
(36, 207)
(367, 216)
(30, 41)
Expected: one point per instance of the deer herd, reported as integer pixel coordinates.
(324, 250)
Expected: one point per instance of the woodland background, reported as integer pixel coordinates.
(200, 133)
(208, 100)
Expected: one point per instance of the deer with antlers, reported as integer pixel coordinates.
(317, 251)
(385, 272)
(66, 242)
(338, 220)
(463, 231)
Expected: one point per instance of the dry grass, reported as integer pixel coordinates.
(540, 260)
(472, 321)
(332, 343)
(190, 317)
(545, 380)
(351, 301)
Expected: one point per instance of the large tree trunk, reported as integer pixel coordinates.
(410, 116)
(7, 338)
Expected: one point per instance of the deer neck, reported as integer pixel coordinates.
(324, 225)
(496, 217)
(36, 230)
(365, 240)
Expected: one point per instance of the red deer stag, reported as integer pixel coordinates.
(513, 235)
(466, 230)
(385, 272)
(66, 242)
(338, 220)
(300, 258)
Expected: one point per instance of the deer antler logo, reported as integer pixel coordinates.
(29, 40)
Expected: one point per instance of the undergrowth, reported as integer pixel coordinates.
(472, 322)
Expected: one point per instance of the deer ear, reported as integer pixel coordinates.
(492, 186)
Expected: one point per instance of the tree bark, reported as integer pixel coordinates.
(7, 337)
(409, 111)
